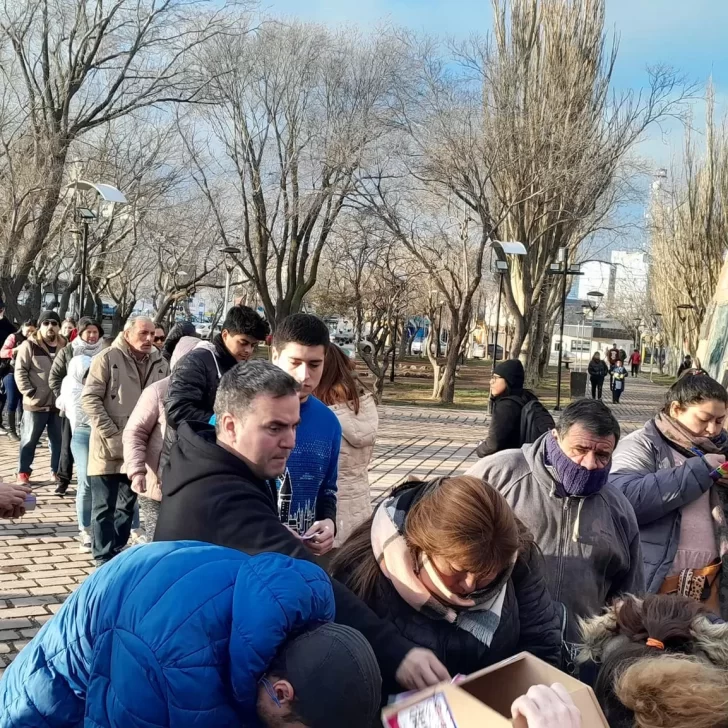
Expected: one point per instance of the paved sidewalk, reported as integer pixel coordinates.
(41, 563)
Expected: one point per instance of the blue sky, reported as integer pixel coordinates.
(687, 34)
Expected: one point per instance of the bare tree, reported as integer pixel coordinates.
(689, 235)
(295, 110)
(68, 67)
(555, 138)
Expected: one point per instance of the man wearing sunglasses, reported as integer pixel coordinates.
(32, 375)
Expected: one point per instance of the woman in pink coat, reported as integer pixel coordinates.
(143, 439)
(356, 409)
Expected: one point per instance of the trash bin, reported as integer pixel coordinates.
(577, 383)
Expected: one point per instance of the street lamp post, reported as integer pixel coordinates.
(594, 300)
(228, 250)
(84, 215)
(562, 269)
(501, 267)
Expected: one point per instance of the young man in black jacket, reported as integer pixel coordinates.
(219, 487)
(194, 381)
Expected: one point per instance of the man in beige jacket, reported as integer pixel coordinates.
(32, 371)
(117, 377)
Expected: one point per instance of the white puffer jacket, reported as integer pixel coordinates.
(359, 432)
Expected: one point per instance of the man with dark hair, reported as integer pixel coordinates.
(309, 482)
(194, 381)
(585, 528)
(219, 487)
(32, 375)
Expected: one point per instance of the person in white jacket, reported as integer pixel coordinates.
(69, 403)
(356, 409)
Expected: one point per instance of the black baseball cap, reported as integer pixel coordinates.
(335, 677)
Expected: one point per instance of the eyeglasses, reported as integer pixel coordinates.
(50, 323)
(160, 339)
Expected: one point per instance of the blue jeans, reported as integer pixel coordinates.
(79, 448)
(15, 399)
(33, 425)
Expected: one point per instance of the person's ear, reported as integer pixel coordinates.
(555, 433)
(274, 355)
(284, 692)
(674, 410)
(228, 426)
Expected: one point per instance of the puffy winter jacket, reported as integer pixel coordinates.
(193, 384)
(77, 347)
(144, 432)
(69, 399)
(591, 545)
(166, 635)
(359, 432)
(643, 468)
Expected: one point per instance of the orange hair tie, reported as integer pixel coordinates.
(652, 642)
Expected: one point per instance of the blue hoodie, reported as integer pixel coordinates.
(167, 634)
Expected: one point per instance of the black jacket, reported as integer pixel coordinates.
(193, 384)
(529, 622)
(504, 432)
(211, 495)
(597, 370)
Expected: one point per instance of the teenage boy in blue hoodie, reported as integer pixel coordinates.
(307, 490)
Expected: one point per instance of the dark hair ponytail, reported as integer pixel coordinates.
(694, 387)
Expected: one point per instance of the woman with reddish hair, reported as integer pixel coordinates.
(450, 565)
(356, 409)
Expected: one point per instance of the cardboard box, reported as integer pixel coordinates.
(483, 699)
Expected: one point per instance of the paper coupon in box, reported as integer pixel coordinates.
(432, 712)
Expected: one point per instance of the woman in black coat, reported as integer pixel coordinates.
(597, 374)
(448, 563)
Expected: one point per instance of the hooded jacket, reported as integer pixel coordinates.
(174, 634)
(591, 545)
(210, 495)
(643, 468)
(33, 364)
(69, 400)
(353, 497)
(114, 385)
(144, 433)
(77, 347)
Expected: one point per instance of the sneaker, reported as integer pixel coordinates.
(23, 478)
(13, 435)
(61, 486)
(138, 536)
(85, 538)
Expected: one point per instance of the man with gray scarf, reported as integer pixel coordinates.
(585, 528)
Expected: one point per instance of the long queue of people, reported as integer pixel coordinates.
(600, 555)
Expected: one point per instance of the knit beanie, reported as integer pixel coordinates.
(512, 371)
(87, 321)
(49, 316)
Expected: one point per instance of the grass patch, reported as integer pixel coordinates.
(472, 388)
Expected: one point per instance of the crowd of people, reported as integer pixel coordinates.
(274, 594)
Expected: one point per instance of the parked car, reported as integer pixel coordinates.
(203, 329)
(498, 353)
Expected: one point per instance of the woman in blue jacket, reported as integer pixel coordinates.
(169, 634)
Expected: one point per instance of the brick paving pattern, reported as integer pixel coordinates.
(41, 563)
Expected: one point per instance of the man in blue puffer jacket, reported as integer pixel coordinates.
(183, 634)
